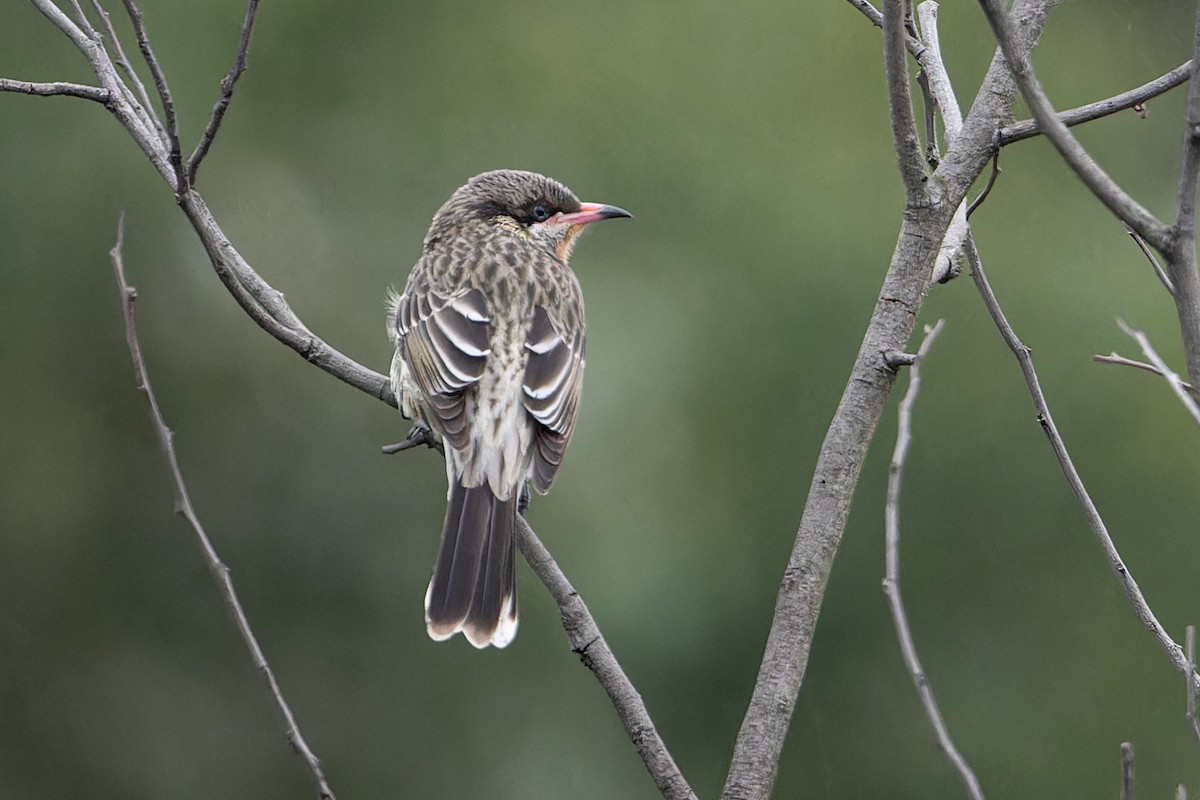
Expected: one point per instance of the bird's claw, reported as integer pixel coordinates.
(419, 434)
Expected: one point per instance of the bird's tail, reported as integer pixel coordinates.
(474, 585)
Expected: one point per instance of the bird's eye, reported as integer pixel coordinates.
(540, 213)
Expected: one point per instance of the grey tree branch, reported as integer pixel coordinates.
(891, 581)
(1113, 358)
(755, 762)
(1177, 386)
(1180, 253)
(589, 644)
(904, 122)
(950, 252)
(174, 157)
(94, 93)
(227, 85)
(1029, 128)
(183, 506)
(1104, 187)
(1126, 771)
(1189, 648)
(1133, 594)
(122, 61)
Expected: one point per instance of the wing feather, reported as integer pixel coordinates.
(444, 340)
(552, 383)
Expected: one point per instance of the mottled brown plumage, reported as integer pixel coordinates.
(489, 336)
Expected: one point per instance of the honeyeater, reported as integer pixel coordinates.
(489, 354)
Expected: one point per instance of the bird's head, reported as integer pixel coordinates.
(522, 204)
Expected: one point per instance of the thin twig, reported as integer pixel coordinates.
(183, 506)
(1133, 594)
(1159, 272)
(142, 101)
(891, 581)
(95, 93)
(1028, 128)
(1173, 380)
(876, 18)
(589, 644)
(949, 256)
(174, 156)
(1126, 771)
(227, 86)
(987, 189)
(1189, 647)
(1128, 210)
(1113, 358)
(904, 124)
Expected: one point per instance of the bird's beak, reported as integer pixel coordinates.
(588, 213)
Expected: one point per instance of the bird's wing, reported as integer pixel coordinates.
(444, 339)
(553, 378)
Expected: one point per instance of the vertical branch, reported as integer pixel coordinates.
(1189, 647)
(891, 581)
(183, 506)
(904, 123)
(1181, 253)
(1126, 771)
(174, 157)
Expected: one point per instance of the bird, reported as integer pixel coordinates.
(488, 362)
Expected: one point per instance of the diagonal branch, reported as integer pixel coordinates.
(1029, 128)
(589, 644)
(1104, 187)
(183, 506)
(227, 85)
(122, 61)
(891, 582)
(1133, 594)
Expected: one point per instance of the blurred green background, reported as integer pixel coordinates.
(752, 144)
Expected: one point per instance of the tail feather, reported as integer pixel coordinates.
(474, 587)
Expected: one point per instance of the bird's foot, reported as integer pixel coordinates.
(523, 499)
(419, 434)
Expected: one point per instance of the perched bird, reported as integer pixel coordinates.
(489, 338)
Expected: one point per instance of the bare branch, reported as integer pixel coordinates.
(94, 93)
(142, 100)
(589, 644)
(1028, 128)
(904, 123)
(987, 189)
(1185, 203)
(950, 252)
(1113, 358)
(1126, 771)
(914, 45)
(1105, 188)
(174, 156)
(1133, 594)
(227, 85)
(760, 738)
(1153, 259)
(1177, 385)
(183, 506)
(891, 582)
(1189, 647)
